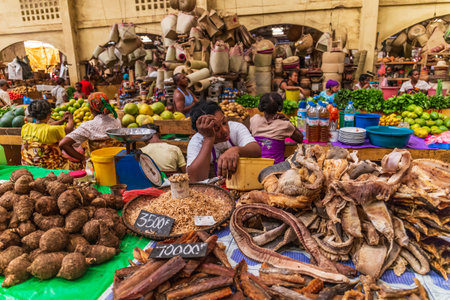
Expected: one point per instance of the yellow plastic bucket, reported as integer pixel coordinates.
(104, 167)
(292, 95)
(246, 176)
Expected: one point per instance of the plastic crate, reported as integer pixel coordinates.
(246, 176)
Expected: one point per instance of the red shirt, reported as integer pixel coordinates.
(86, 87)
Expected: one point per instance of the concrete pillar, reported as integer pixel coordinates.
(69, 26)
(368, 31)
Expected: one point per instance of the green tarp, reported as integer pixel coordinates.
(96, 280)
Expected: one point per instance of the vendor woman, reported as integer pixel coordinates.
(216, 147)
(291, 83)
(331, 88)
(93, 131)
(414, 85)
(271, 129)
(40, 140)
(183, 98)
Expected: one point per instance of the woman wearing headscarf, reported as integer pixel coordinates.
(93, 131)
(331, 88)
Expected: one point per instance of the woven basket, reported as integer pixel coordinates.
(416, 31)
(304, 43)
(262, 60)
(399, 40)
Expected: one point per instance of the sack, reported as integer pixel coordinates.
(126, 47)
(216, 19)
(114, 34)
(108, 57)
(416, 31)
(219, 60)
(139, 69)
(236, 58)
(168, 27)
(180, 54)
(97, 51)
(263, 82)
(127, 31)
(231, 21)
(196, 32)
(139, 53)
(168, 42)
(184, 23)
(170, 54)
(242, 35)
(186, 5)
(148, 56)
(262, 60)
(333, 57)
(206, 23)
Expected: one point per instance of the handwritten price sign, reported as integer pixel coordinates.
(184, 250)
(157, 224)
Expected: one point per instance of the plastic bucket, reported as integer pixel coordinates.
(390, 91)
(292, 95)
(105, 170)
(432, 92)
(389, 136)
(366, 120)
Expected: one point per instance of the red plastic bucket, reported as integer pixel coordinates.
(390, 91)
(432, 92)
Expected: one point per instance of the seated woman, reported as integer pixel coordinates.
(414, 85)
(290, 84)
(216, 147)
(183, 98)
(40, 140)
(363, 83)
(331, 88)
(271, 129)
(168, 158)
(93, 131)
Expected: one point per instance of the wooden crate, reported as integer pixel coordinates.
(11, 141)
(175, 127)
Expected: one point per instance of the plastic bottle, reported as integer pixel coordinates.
(301, 116)
(334, 116)
(349, 115)
(324, 122)
(313, 124)
(329, 106)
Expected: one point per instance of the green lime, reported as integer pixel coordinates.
(443, 128)
(72, 102)
(418, 111)
(439, 122)
(430, 123)
(405, 114)
(415, 126)
(80, 101)
(425, 116)
(447, 123)
(434, 115)
(58, 109)
(411, 107)
(77, 105)
(428, 129)
(413, 115)
(421, 122)
(61, 113)
(436, 131)
(442, 116)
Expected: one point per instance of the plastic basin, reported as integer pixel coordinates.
(432, 92)
(389, 136)
(390, 91)
(105, 169)
(363, 120)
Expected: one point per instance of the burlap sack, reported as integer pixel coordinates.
(139, 53)
(231, 21)
(114, 34)
(126, 47)
(216, 19)
(236, 58)
(171, 53)
(127, 31)
(219, 59)
(97, 51)
(206, 23)
(107, 57)
(148, 56)
(168, 27)
(184, 23)
(140, 69)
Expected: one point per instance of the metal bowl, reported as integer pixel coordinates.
(131, 135)
(213, 190)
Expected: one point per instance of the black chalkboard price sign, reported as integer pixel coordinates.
(158, 224)
(189, 250)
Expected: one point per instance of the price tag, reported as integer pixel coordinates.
(154, 223)
(204, 221)
(184, 250)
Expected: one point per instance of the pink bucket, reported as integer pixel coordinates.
(390, 91)
(432, 92)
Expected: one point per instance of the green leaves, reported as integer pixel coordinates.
(289, 106)
(248, 101)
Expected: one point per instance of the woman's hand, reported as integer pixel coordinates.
(205, 126)
(227, 162)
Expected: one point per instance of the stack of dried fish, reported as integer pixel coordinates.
(342, 204)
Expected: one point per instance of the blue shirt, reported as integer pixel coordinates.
(326, 96)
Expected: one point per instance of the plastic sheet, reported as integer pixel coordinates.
(41, 57)
(97, 278)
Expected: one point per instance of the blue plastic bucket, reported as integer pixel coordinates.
(389, 136)
(366, 120)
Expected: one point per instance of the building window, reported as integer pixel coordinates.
(154, 6)
(39, 10)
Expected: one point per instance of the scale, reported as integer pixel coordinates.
(133, 167)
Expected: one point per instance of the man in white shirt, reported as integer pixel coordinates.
(4, 96)
(59, 92)
(216, 147)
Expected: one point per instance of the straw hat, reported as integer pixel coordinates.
(416, 31)
(441, 63)
(264, 45)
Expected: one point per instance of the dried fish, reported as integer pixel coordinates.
(416, 258)
(201, 286)
(350, 220)
(270, 235)
(288, 294)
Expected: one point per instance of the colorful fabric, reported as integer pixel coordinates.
(327, 97)
(271, 148)
(98, 103)
(421, 85)
(42, 155)
(43, 133)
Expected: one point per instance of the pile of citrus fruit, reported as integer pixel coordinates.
(79, 108)
(424, 123)
(390, 120)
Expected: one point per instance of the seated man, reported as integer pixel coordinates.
(216, 147)
(168, 158)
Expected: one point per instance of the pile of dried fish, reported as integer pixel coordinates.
(350, 209)
(212, 277)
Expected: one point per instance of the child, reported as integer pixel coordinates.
(271, 129)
